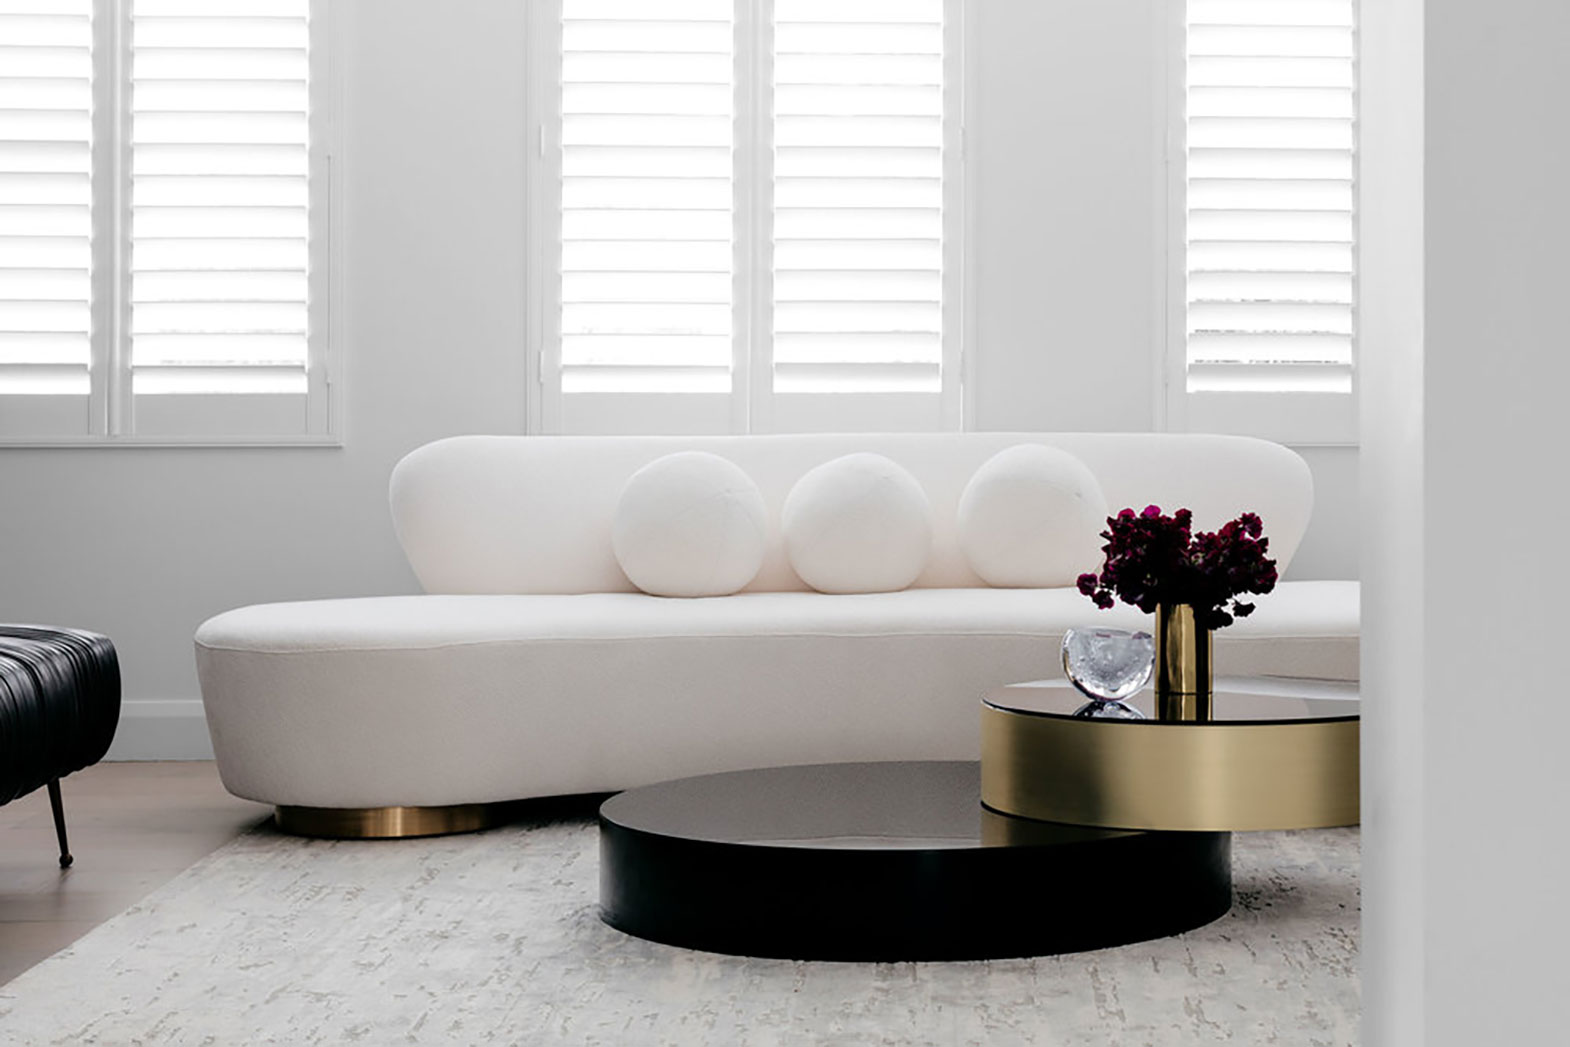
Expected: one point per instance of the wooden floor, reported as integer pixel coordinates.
(132, 827)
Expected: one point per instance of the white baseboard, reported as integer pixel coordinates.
(166, 729)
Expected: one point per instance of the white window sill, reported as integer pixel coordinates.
(98, 442)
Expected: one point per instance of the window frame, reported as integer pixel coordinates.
(199, 419)
(1295, 418)
(752, 405)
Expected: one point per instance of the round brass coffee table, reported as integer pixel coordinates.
(1278, 753)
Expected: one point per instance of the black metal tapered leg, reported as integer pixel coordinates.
(59, 811)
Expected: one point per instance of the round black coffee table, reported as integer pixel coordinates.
(888, 861)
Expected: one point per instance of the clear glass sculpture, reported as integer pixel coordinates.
(1107, 666)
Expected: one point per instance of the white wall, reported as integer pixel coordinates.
(1064, 129)
(1464, 428)
(1064, 132)
(1496, 371)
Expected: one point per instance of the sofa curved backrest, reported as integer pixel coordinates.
(532, 514)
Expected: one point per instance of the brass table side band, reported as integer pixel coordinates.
(384, 823)
(1176, 777)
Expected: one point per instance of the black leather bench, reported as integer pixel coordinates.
(59, 707)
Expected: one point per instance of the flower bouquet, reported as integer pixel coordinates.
(1191, 583)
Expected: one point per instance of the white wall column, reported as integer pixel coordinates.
(1467, 216)
(1390, 363)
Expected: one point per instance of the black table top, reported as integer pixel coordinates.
(846, 806)
(1238, 700)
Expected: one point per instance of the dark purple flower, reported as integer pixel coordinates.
(1156, 559)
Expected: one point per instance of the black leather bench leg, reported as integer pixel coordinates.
(59, 811)
(59, 706)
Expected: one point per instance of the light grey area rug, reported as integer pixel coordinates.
(493, 939)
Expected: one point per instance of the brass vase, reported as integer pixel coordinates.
(1183, 674)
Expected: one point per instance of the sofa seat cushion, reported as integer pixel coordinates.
(460, 699)
(1320, 617)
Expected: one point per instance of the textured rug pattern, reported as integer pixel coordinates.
(493, 939)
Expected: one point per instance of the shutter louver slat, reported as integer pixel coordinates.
(1270, 197)
(646, 196)
(220, 197)
(46, 107)
(858, 196)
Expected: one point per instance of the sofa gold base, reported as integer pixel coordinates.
(385, 823)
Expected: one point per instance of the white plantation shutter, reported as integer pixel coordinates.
(752, 209)
(46, 136)
(163, 248)
(1270, 169)
(220, 236)
(646, 196)
(858, 195)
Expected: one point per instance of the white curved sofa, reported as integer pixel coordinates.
(532, 667)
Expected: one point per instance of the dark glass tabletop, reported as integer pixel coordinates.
(1238, 699)
(850, 806)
